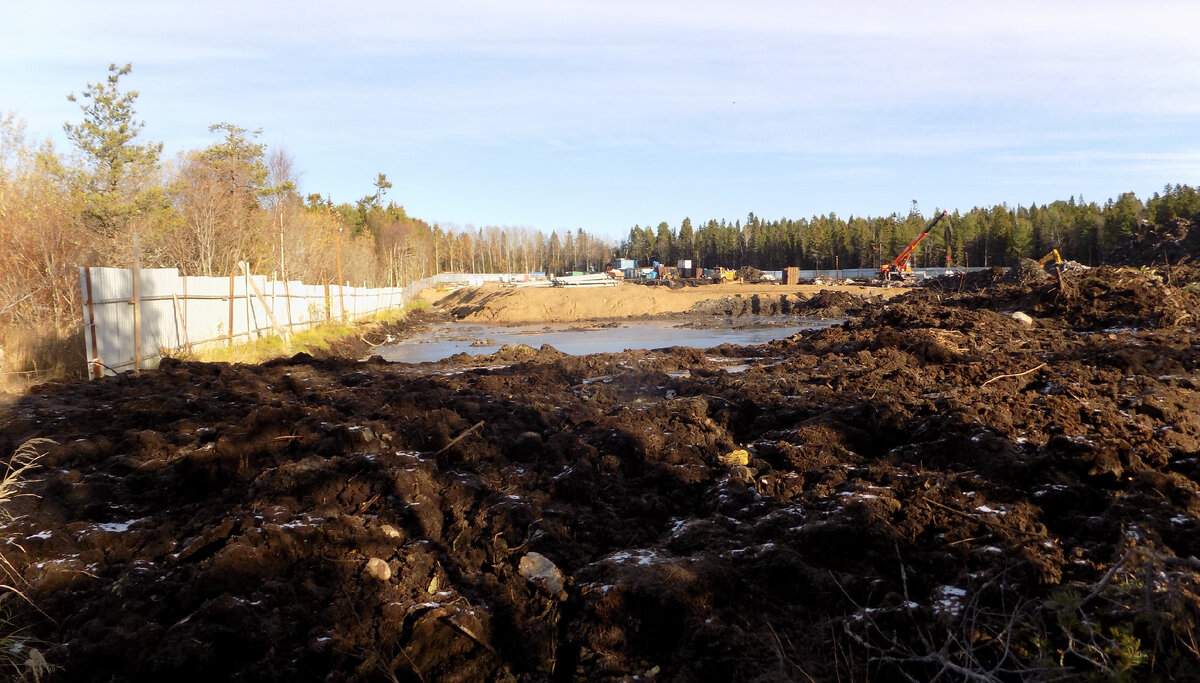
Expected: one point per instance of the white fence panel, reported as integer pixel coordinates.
(183, 312)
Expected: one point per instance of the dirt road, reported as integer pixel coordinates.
(933, 488)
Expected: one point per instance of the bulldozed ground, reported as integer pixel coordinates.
(932, 489)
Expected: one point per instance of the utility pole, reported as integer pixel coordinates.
(287, 292)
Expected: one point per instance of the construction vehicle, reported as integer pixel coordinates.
(724, 274)
(1052, 256)
(900, 267)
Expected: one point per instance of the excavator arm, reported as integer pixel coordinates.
(1052, 256)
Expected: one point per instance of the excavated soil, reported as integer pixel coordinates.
(933, 488)
(496, 304)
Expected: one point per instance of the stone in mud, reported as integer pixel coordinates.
(540, 571)
(378, 569)
(739, 457)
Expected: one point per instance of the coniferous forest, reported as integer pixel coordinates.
(1081, 230)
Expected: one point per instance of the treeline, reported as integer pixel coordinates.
(206, 210)
(998, 236)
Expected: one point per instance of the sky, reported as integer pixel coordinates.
(605, 114)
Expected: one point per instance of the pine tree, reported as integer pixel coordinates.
(118, 166)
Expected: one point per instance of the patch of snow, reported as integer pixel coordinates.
(116, 527)
(639, 555)
(1046, 490)
(948, 600)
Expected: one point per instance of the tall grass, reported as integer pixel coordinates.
(21, 658)
(30, 355)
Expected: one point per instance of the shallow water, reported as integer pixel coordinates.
(446, 339)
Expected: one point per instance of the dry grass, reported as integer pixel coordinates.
(20, 657)
(313, 341)
(32, 355)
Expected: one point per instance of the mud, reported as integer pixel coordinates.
(933, 488)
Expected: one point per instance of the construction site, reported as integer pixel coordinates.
(989, 476)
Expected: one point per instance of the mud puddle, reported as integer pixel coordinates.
(444, 340)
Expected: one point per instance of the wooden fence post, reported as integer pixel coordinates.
(181, 321)
(262, 300)
(340, 281)
(328, 303)
(97, 371)
(137, 305)
(232, 273)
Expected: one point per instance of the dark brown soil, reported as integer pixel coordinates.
(933, 488)
(825, 304)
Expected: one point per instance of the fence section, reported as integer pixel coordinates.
(128, 326)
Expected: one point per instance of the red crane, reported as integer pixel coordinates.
(897, 269)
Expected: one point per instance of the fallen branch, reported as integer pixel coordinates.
(783, 657)
(460, 437)
(1108, 577)
(1015, 374)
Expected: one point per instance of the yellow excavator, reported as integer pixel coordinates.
(1052, 256)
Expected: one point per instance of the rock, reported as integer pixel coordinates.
(538, 570)
(529, 438)
(742, 474)
(378, 569)
(1023, 318)
(739, 457)
(390, 531)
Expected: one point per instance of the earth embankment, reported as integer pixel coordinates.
(523, 305)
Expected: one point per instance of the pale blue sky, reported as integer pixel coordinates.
(601, 115)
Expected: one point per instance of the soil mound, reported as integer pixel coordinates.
(933, 489)
(824, 304)
(750, 274)
(831, 303)
(1176, 240)
(742, 306)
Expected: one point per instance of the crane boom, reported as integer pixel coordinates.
(895, 269)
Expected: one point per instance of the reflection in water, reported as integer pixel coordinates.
(445, 340)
